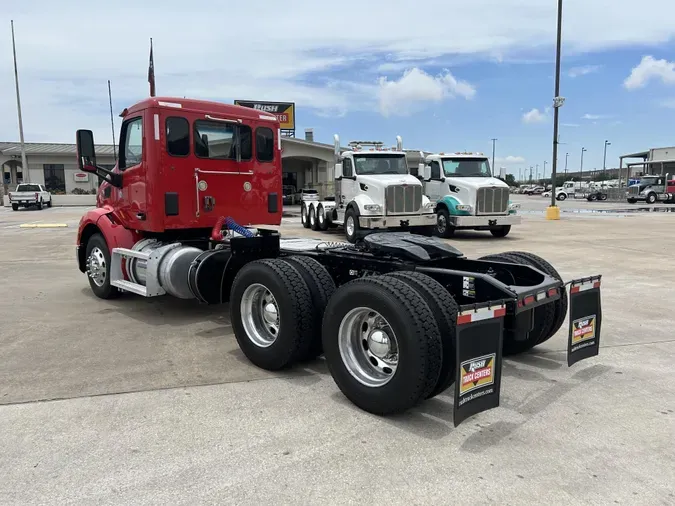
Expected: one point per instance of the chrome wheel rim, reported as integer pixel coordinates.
(97, 267)
(312, 217)
(303, 214)
(368, 347)
(260, 315)
(440, 223)
(350, 226)
(321, 215)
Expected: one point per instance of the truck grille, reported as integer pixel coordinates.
(492, 201)
(634, 190)
(403, 199)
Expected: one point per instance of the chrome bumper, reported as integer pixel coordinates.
(485, 221)
(408, 220)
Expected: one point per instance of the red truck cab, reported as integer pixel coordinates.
(184, 163)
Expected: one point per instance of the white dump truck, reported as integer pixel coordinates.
(374, 190)
(466, 195)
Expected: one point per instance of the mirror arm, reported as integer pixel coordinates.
(109, 176)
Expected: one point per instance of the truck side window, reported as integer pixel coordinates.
(435, 170)
(217, 140)
(347, 168)
(177, 136)
(132, 140)
(264, 144)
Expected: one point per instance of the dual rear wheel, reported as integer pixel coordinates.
(388, 340)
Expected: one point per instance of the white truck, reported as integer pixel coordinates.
(570, 189)
(466, 195)
(652, 189)
(374, 190)
(30, 194)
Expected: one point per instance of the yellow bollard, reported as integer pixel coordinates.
(552, 213)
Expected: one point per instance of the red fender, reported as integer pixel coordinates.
(102, 220)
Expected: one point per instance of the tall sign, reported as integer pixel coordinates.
(284, 111)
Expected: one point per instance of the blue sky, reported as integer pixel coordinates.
(445, 75)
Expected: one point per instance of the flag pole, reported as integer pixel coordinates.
(24, 164)
(151, 71)
(112, 121)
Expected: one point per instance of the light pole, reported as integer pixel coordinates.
(558, 101)
(544, 174)
(567, 155)
(581, 168)
(604, 159)
(493, 154)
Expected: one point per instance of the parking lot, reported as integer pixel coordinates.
(150, 401)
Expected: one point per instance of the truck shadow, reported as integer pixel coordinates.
(161, 310)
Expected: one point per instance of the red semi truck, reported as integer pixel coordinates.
(398, 317)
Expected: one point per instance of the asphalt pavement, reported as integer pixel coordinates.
(150, 401)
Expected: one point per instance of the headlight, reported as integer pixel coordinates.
(429, 206)
(372, 207)
(463, 207)
(514, 206)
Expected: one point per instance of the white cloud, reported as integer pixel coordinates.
(650, 69)
(284, 51)
(570, 125)
(534, 116)
(582, 71)
(509, 160)
(416, 87)
(668, 103)
(593, 117)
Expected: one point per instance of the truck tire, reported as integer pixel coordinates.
(603, 196)
(271, 313)
(444, 309)
(560, 305)
(543, 315)
(632, 201)
(502, 231)
(311, 217)
(651, 198)
(303, 215)
(49, 203)
(321, 219)
(97, 255)
(39, 205)
(321, 287)
(361, 320)
(15, 207)
(562, 196)
(443, 227)
(352, 228)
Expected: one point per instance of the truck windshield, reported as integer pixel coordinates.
(28, 188)
(466, 167)
(380, 164)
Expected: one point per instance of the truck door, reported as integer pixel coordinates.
(348, 186)
(132, 196)
(435, 187)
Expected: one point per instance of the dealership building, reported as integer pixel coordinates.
(305, 164)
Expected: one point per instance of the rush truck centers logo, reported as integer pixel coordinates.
(583, 329)
(477, 373)
(284, 111)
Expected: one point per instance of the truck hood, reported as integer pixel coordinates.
(384, 180)
(476, 182)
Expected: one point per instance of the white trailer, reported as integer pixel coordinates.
(374, 190)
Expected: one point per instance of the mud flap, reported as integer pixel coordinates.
(480, 330)
(585, 319)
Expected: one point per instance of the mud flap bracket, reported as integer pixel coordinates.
(480, 329)
(585, 319)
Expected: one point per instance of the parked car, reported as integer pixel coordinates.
(30, 194)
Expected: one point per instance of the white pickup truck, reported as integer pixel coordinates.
(30, 194)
